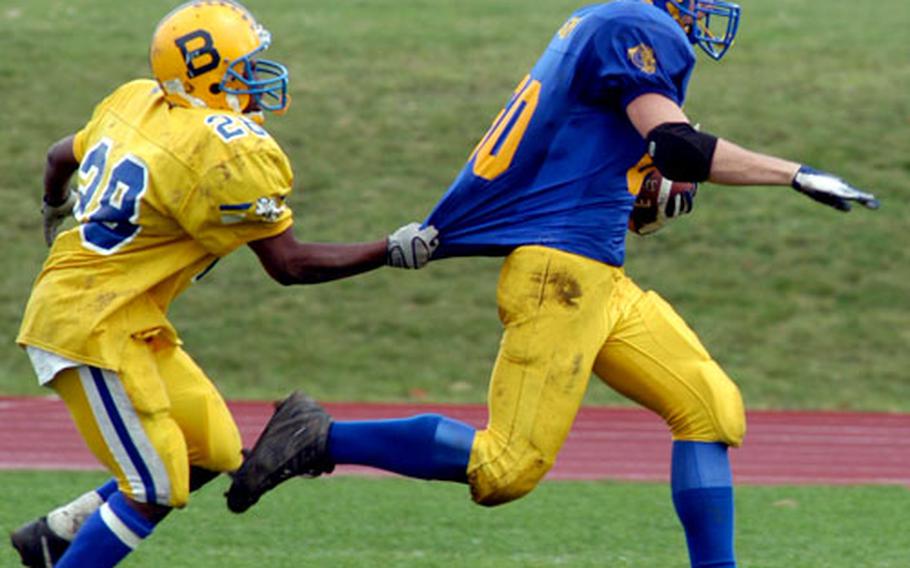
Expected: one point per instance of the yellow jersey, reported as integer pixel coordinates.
(164, 192)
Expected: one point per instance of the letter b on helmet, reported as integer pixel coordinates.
(199, 52)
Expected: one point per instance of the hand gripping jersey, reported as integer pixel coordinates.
(561, 163)
(164, 192)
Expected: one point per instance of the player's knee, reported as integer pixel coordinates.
(222, 454)
(510, 476)
(730, 416)
(224, 458)
(515, 485)
(716, 414)
(179, 495)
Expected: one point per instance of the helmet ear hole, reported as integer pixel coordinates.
(215, 89)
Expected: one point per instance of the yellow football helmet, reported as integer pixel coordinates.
(202, 55)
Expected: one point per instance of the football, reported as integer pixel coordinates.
(658, 201)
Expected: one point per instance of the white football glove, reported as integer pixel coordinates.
(55, 214)
(411, 246)
(831, 190)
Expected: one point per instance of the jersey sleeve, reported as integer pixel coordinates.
(239, 200)
(630, 57)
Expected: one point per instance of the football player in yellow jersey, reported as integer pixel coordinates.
(173, 174)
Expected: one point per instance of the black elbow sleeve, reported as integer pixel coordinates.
(680, 152)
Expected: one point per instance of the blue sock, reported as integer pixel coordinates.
(702, 485)
(108, 489)
(428, 446)
(107, 536)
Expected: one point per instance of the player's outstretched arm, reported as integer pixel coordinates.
(290, 261)
(683, 154)
(733, 165)
(58, 201)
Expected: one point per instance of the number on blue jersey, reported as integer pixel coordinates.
(496, 149)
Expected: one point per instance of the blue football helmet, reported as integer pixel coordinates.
(711, 24)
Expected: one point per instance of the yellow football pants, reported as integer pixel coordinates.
(563, 316)
(150, 421)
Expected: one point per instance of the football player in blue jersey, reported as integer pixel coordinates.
(550, 187)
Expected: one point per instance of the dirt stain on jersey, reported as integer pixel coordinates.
(102, 300)
(224, 171)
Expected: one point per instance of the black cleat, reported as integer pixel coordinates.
(38, 546)
(294, 442)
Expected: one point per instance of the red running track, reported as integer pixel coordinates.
(605, 443)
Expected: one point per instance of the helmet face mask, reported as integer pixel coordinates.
(204, 55)
(710, 24)
(264, 80)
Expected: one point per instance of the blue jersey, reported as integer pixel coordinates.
(561, 164)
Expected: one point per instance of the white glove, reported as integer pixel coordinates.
(55, 214)
(411, 246)
(831, 190)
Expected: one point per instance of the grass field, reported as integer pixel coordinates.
(356, 522)
(805, 308)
